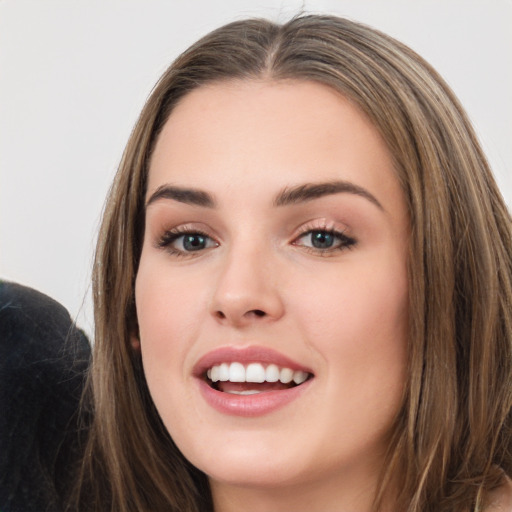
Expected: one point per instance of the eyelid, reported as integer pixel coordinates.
(166, 237)
(171, 235)
(182, 229)
(322, 225)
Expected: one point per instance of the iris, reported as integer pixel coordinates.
(194, 242)
(322, 239)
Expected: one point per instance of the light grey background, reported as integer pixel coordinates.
(75, 74)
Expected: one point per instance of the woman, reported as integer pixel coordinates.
(303, 287)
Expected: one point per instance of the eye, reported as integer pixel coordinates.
(322, 240)
(182, 243)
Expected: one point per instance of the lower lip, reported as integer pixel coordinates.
(251, 405)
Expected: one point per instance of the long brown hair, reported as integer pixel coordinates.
(452, 438)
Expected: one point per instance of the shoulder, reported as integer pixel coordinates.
(500, 499)
(43, 364)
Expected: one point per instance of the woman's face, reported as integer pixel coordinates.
(275, 249)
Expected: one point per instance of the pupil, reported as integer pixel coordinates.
(321, 239)
(193, 242)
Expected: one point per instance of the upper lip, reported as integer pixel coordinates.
(245, 355)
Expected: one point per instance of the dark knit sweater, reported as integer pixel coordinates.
(43, 360)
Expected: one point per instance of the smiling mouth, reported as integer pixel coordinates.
(253, 378)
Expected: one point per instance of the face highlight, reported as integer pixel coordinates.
(272, 287)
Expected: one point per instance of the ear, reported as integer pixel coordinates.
(135, 336)
(135, 342)
(133, 326)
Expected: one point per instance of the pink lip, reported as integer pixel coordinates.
(248, 405)
(254, 354)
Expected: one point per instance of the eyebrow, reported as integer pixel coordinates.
(310, 191)
(290, 195)
(190, 196)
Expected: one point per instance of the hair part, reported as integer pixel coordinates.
(453, 433)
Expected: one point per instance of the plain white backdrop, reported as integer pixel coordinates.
(74, 75)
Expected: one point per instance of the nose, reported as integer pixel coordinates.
(247, 290)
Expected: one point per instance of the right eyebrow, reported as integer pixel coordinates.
(190, 196)
(310, 191)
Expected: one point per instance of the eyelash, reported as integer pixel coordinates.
(345, 242)
(172, 235)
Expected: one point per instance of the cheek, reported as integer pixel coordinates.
(360, 320)
(166, 295)
(168, 314)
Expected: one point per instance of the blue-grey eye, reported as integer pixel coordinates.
(322, 239)
(194, 242)
(183, 243)
(191, 242)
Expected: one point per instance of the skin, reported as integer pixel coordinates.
(500, 499)
(260, 281)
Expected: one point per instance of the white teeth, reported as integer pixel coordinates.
(286, 375)
(255, 372)
(224, 372)
(236, 372)
(215, 374)
(246, 392)
(272, 373)
(299, 377)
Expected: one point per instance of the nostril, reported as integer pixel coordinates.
(252, 313)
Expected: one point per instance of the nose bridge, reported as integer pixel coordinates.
(246, 287)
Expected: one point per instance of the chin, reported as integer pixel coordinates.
(250, 473)
(250, 463)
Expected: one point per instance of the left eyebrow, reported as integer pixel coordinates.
(185, 195)
(309, 191)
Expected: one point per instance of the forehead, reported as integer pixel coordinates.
(269, 133)
(266, 106)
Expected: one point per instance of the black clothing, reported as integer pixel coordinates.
(43, 362)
